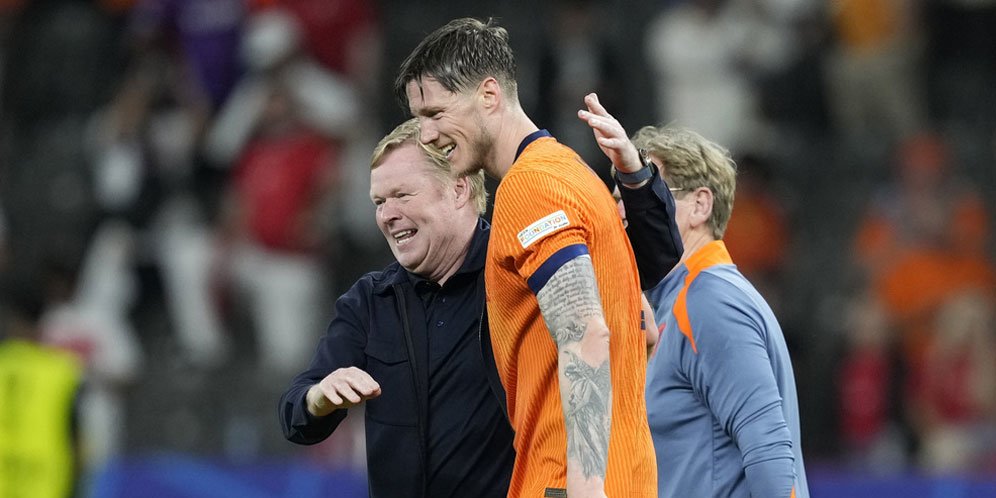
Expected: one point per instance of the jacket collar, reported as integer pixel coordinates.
(474, 262)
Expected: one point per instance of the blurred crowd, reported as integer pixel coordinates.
(183, 193)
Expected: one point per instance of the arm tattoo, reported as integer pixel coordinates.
(571, 333)
(586, 415)
(571, 307)
(570, 298)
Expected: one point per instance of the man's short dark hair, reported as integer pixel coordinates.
(460, 55)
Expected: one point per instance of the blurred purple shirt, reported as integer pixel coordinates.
(206, 32)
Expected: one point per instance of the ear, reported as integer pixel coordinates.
(701, 207)
(489, 93)
(461, 191)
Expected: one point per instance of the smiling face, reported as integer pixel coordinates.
(420, 212)
(452, 122)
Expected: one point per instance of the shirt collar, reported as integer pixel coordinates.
(711, 254)
(476, 253)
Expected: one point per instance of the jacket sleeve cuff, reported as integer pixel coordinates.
(306, 428)
(647, 196)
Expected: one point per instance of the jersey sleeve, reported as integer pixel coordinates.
(542, 225)
(732, 373)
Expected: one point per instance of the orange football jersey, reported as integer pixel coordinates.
(550, 208)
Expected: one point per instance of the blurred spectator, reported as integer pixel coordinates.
(791, 83)
(146, 144)
(758, 235)
(322, 100)
(924, 237)
(284, 127)
(923, 243)
(38, 437)
(86, 313)
(184, 63)
(869, 384)
(576, 59)
(346, 38)
(874, 73)
(927, 203)
(955, 406)
(705, 57)
(341, 35)
(202, 36)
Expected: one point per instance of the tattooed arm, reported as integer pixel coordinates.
(572, 310)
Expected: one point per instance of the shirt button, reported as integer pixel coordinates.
(439, 323)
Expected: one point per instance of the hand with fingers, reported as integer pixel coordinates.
(610, 136)
(341, 389)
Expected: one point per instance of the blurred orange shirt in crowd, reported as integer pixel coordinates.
(865, 24)
(926, 242)
(757, 235)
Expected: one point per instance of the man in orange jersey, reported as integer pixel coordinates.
(562, 286)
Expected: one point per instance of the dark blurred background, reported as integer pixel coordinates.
(184, 192)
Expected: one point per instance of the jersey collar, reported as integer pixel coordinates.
(530, 139)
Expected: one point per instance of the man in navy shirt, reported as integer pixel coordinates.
(405, 340)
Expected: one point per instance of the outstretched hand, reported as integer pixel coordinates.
(343, 388)
(610, 136)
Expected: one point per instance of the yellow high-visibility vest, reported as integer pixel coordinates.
(37, 388)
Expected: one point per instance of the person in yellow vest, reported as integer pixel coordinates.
(38, 391)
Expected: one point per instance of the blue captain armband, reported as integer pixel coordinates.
(542, 275)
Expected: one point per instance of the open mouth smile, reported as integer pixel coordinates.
(448, 150)
(404, 236)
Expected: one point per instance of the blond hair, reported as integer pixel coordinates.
(691, 161)
(408, 132)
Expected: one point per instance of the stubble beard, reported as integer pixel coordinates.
(483, 147)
